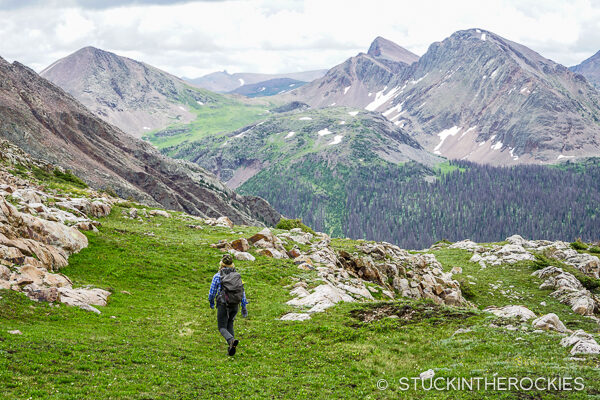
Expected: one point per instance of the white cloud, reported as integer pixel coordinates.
(193, 38)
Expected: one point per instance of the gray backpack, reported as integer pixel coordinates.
(232, 288)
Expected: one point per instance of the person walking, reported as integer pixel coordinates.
(227, 289)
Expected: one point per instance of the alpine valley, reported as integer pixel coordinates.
(383, 145)
(429, 217)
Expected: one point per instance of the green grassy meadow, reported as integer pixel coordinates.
(224, 115)
(157, 337)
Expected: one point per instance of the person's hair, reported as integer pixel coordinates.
(226, 261)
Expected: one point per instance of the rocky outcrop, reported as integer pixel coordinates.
(566, 287)
(549, 322)
(581, 343)
(38, 233)
(344, 277)
(568, 290)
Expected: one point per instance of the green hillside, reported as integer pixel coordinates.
(217, 114)
(156, 339)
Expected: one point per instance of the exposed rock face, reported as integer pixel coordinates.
(356, 81)
(480, 97)
(51, 125)
(473, 96)
(568, 290)
(382, 48)
(131, 95)
(37, 238)
(590, 68)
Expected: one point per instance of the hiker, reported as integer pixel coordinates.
(228, 290)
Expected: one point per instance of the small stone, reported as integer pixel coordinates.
(427, 374)
(295, 317)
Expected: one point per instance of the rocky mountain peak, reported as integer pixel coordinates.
(127, 93)
(478, 96)
(386, 49)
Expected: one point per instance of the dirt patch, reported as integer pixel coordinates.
(410, 313)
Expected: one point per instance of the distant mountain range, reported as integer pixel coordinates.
(51, 125)
(358, 151)
(147, 102)
(224, 82)
(269, 87)
(474, 96)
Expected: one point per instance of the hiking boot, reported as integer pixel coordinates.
(232, 345)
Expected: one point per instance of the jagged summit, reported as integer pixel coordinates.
(354, 82)
(386, 49)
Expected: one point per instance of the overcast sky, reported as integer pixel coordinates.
(192, 38)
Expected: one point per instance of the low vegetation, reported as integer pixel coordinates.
(156, 339)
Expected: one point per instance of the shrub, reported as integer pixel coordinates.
(288, 224)
(542, 261)
(587, 281)
(594, 249)
(579, 245)
(58, 176)
(68, 177)
(467, 290)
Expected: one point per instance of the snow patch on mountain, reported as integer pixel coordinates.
(396, 108)
(444, 135)
(336, 140)
(381, 98)
(467, 131)
(324, 132)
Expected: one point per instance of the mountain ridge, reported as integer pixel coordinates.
(50, 124)
(527, 109)
(224, 82)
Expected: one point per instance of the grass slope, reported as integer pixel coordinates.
(163, 344)
(221, 115)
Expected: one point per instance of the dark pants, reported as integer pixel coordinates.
(225, 317)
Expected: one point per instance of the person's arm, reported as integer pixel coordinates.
(214, 289)
(244, 304)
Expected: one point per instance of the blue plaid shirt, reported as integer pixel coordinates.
(215, 288)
